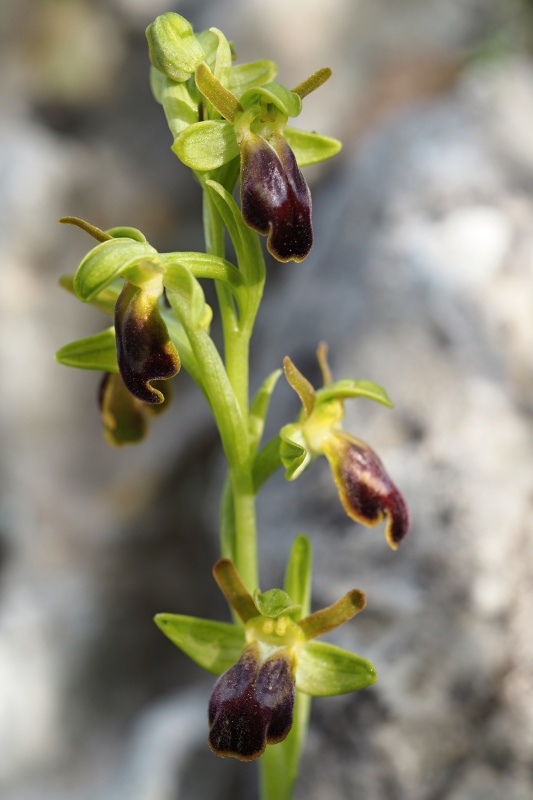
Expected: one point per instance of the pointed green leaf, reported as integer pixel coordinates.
(274, 603)
(259, 409)
(274, 94)
(292, 451)
(344, 389)
(310, 148)
(215, 646)
(298, 573)
(94, 352)
(107, 261)
(243, 77)
(206, 145)
(325, 670)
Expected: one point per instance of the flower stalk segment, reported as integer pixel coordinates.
(229, 125)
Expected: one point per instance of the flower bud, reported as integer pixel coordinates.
(174, 49)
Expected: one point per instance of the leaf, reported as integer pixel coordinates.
(325, 670)
(298, 573)
(274, 603)
(215, 646)
(206, 145)
(347, 388)
(259, 409)
(107, 261)
(292, 451)
(310, 148)
(94, 352)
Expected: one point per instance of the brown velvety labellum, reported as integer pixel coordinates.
(145, 352)
(252, 704)
(365, 488)
(275, 198)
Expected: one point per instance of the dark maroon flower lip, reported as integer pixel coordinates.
(252, 704)
(145, 351)
(275, 198)
(366, 491)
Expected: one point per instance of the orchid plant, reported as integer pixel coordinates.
(229, 125)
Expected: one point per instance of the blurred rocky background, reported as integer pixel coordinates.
(421, 279)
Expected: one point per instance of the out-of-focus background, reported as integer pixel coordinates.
(421, 279)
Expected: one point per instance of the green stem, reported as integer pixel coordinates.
(238, 526)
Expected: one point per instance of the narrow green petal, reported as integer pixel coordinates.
(341, 390)
(298, 573)
(246, 76)
(259, 408)
(94, 352)
(222, 99)
(334, 615)
(215, 646)
(325, 670)
(301, 386)
(311, 148)
(230, 584)
(107, 261)
(206, 145)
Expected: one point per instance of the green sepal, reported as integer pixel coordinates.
(298, 573)
(206, 145)
(223, 57)
(107, 261)
(94, 352)
(173, 47)
(324, 670)
(244, 77)
(259, 409)
(274, 603)
(344, 389)
(244, 239)
(127, 233)
(179, 279)
(215, 646)
(181, 109)
(104, 301)
(292, 451)
(274, 94)
(310, 148)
